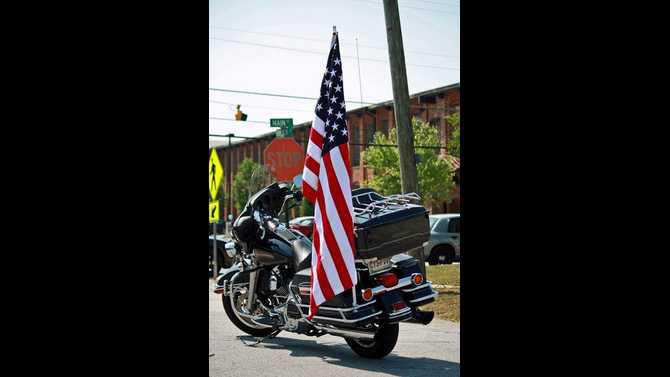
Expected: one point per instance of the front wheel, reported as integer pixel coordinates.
(248, 327)
(380, 346)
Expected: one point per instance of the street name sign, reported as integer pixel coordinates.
(285, 126)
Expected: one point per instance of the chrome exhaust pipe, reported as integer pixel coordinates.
(356, 334)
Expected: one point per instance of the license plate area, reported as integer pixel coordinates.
(378, 265)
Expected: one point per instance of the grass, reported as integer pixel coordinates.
(446, 274)
(447, 305)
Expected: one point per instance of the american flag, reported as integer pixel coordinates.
(326, 184)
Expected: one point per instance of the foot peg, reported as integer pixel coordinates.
(273, 321)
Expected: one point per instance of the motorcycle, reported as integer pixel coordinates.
(267, 289)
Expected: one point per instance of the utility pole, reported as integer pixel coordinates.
(230, 174)
(408, 180)
(400, 97)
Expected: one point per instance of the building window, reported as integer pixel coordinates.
(385, 127)
(371, 131)
(435, 122)
(355, 149)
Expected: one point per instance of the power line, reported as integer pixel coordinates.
(262, 107)
(323, 53)
(237, 137)
(235, 120)
(383, 48)
(278, 95)
(457, 4)
(409, 7)
(417, 106)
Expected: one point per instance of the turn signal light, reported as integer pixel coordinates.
(388, 279)
(417, 279)
(367, 294)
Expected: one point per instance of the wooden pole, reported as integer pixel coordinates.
(408, 179)
(400, 97)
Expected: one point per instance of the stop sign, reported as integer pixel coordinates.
(284, 158)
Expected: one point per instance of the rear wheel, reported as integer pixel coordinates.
(383, 343)
(443, 254)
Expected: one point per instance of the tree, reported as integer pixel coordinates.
(306, 208)
(433, 172)
(249, 179)
(454, 142)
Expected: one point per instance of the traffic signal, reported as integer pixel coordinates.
(240, 115)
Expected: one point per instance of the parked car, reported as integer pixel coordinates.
(224, 260)
(304, 225)
(444, 245)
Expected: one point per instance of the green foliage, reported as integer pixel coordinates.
(454, 142)
(246, 182)
(306, 208)
(434, 173)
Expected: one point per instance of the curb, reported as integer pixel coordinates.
(443, 286)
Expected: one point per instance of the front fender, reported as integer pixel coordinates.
(227, 274)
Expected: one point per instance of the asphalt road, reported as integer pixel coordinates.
(432, 350)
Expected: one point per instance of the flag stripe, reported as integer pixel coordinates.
(312, 165)
(344, 154)
(327, 233)
(314, 151)
(309, 193)
(338, 207)
(328, 260)
(321, 276)
(319, 126)
(341, 171)
(310, 178)
(315, 138)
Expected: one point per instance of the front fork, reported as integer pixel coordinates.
(253, 279)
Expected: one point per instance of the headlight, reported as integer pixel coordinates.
(230, 249)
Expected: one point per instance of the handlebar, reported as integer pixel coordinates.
(266, 218)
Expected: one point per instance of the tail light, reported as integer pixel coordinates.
(367, 294)
(218, 290)
(417, 279)
(388, 279)
(398, 305)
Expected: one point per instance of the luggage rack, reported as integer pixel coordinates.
(370, 202)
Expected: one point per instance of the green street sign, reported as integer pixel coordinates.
(285, 132)
(285, 127)
(282, 123)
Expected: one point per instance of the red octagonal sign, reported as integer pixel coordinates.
(284, 158)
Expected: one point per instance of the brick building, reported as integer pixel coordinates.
(431, 106)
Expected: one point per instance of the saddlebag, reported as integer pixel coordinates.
(386, 226)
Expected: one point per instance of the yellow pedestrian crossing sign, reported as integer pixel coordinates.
(215, 174)
(213, 211)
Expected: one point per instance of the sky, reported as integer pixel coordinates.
(244, 36)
